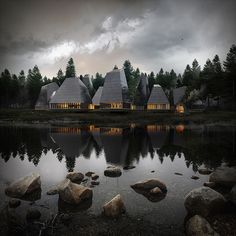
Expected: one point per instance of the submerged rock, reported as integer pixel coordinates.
(33, 214)
(95, 182)
(52, 191)
(150, 184)
(204, 201)
(74, 193)
(198, 226)
(177, 173)
(194, 177)
(89, 173)
(14, 203)
(128, 167)
(24, 186)
(112, 171)
(94, 176)
(225, 176)
(115, 207)
(204, 171)
(75, 177)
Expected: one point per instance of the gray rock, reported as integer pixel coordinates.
(52, 191)
(94, 176)
(155, 191)
(33, 214)
(198, 226)
(112, 171)
(177, 173)
(75, 177)
(115, 207)
(74, 193)
(233, 195)
(24, 186)
(95, 182)
(89, 173)
(204, 201)
(225, 176)
(150, 184)
(210, 184)
(128, 167)
(14, 203)
(204, 171)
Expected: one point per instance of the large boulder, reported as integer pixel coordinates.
(115, 207)
(225, 176)
(74, 193)
(198, 226)
(112, 171)
(24, 186)
(204, 171)
(75, 177)
(149, 184)
(204, 201)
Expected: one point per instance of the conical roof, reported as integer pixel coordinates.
(158, 96)
(115, 88)
(142, 92)
(72, 90)
(97, 97)
(45, 95)
(178, 94)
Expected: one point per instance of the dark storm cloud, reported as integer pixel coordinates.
(151, 33)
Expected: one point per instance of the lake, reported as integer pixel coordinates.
(156, 151)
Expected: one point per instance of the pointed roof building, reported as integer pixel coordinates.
(115, 89)
(97, 97)
(178, 94)
(72, 91)
(46, 93)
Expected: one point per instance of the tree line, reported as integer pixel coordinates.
(215, 80)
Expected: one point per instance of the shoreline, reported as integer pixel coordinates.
(23, 117)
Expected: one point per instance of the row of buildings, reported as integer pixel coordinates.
(74, 94)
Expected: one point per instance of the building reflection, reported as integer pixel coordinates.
(121, 146)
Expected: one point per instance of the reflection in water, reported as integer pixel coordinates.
(204, 145)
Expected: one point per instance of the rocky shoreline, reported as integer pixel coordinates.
(210, 211)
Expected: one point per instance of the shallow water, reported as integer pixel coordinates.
(54, 151)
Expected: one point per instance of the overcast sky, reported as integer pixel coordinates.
(101, 33)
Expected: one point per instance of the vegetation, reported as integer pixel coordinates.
(212, 83)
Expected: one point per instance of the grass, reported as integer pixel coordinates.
(121, 117)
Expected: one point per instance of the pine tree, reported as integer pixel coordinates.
(70, 69)
(187, 76)
(151, 80)
(34, 83)
(60, 77)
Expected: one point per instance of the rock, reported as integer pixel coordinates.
(204, 201)
(95, 182)
(33, 214)
(115, 207)
(204, 171)
(52, 191)
(89, 173)
(14, 203)
(198, 226)
(94, 176)
(24, 186)
(195, 177)
(152, 171)
(74, 193)
(85, 180)
(233, 195)
(225, 176)
(176, 173)
(112, 171)
(156, 190)
(75, 177)
(210, 184)
(150, 184)
(128, 167)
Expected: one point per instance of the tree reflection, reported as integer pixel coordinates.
(206, 145)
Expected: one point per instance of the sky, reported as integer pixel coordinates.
(99, 34)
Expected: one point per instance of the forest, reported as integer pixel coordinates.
(216, 80)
